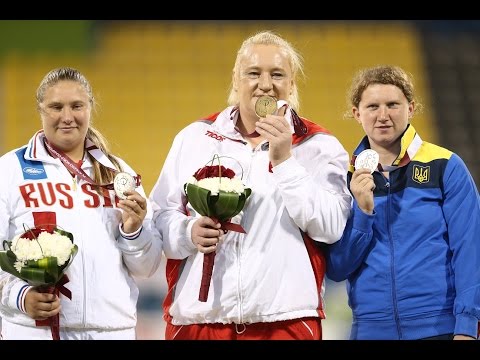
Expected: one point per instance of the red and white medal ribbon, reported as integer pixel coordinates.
(122, 182)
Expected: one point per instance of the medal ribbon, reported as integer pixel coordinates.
(407, 155)
(77, 170)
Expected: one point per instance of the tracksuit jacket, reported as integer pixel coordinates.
(413, 266)
(273, 272)
(104, 292)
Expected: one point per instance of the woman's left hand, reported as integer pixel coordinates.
(134, 211)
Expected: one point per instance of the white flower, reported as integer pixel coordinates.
(216, 184)
(46, 245)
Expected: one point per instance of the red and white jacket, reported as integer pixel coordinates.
(104, 293)
(273, 272)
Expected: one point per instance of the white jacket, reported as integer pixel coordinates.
(266, 274)
(104, 293)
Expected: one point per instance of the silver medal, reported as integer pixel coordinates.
(367, 159)
(123, 182)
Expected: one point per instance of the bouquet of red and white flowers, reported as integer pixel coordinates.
(40, 256)
(214, 191)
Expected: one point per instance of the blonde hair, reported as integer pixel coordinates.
(295, 61)
(101, 174)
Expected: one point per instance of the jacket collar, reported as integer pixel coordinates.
(410, 143)
(36, 151)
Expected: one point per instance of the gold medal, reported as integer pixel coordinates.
(123, 182)
(265, 105)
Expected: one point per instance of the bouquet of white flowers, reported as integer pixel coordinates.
(214, 191)
(40, 256)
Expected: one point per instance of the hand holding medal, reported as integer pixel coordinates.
(135, 208)
(265, 105)
(123, 182)
(367, 159)
(275, 129)
(362, 184)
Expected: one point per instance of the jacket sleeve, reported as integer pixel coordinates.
(169, 205)
(142, 250)
(12, 289)
(461, 209)
(346, 255)
(13, 292)
(317, 198)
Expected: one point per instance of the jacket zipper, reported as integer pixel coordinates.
(392, 259)
(84, 317)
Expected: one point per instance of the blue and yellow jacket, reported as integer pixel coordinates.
(413, 266)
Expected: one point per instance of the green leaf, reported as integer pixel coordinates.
(199, 198)
(223, 206)
(43, 271)
(243, 198)
(50, 264)
(34, 276)
(226, 205)
(7, 259)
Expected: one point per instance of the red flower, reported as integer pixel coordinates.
(211, 171)
(33, 234)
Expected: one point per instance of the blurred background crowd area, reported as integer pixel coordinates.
(152, 78)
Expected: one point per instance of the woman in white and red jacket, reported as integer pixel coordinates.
(269, 282)
(54, 179)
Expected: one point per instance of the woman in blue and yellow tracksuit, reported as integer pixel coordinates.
(411, 248)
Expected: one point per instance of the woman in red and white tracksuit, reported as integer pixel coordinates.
(54, 180)
(269, 282)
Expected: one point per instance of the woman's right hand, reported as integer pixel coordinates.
(40, 306)
(206, 234)
(362, 186)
